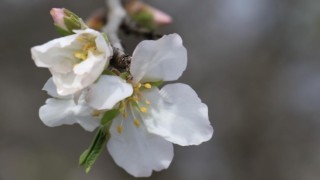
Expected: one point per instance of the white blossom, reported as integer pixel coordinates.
(107, 92)
(152, 119)
(75, 61)
(61, 110)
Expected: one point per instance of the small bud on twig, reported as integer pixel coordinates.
(147, 16)
(66, 21)
(97, 19)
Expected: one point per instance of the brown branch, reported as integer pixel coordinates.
(115, 16)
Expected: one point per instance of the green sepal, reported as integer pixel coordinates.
(108, 72)
(90, 155)
(125, 75)
(145, 19)
(72, 23)
(157, 83)
(105, 38)
(62, 31)
(70, 13)
(109, 116)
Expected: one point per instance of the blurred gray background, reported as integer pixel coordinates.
(255, 63)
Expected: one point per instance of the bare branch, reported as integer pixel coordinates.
(116, 15)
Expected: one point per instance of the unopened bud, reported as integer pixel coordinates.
(146, 15)
(161, 17)
(97, 19)
(58, 17)
(66, 21)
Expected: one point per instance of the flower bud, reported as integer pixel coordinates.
(97, 19)
(146, 15)
(66, 21)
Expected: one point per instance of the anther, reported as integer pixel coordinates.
(143, 109)
(147, 102)
(147, 85)
(96, 113)
(138, 85)
(136, 122)
(80, 55)
(120, 129)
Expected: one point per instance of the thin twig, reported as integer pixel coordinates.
(115, 16)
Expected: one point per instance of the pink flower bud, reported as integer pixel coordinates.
(136, 8)
(58, 16)
(160, 17)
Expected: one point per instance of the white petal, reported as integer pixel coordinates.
(136, 150)
(84, 74)
(177, 114)
(58, 112)
(67, 83)
(164, 59)
(83, 113)
(107, 92)
(51, 89)
(102, 46)
(88, 65)
(56, 54)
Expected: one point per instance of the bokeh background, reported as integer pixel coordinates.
(255, 63)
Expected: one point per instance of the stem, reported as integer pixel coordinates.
(115, 16)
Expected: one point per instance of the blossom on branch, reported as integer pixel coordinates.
(136, 120)
(151, 119)
(75, 61)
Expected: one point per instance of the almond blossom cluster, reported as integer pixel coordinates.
(136, 119)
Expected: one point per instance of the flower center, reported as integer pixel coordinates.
(136, 105)
(88, 44)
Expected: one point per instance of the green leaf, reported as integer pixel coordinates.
(157, 83)
(89, 156)
(109, 115)
(83, 157)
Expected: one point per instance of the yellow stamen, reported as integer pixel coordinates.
(88, 47)
(125, 114)
(134, 98)
(120, 129)
(96, 113)
(136, 123)
(143, 109)
(147, 102)
(80, 55)
(138, 85)
(81, 39)
(147, 85)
